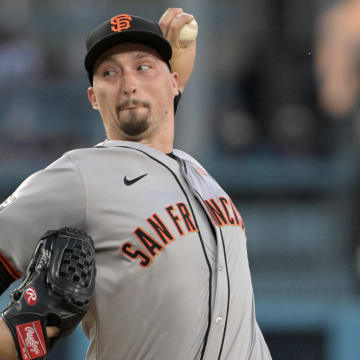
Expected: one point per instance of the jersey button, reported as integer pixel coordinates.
(219, 320)
(220, 268)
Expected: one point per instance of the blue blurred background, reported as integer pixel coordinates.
(272, 111)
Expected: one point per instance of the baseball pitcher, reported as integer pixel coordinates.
(172, 273)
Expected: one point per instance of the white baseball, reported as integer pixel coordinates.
(188, 33)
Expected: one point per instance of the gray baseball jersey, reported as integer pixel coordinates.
(173, 277)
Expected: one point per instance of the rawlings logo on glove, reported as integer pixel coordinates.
(31, 340)
(30, 296)
(56, 291)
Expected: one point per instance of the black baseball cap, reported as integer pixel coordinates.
(124, 28)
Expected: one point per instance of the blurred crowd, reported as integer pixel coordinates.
(289, 75)
(42, 86)
(292, 80)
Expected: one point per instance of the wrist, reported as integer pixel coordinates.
(7, 345)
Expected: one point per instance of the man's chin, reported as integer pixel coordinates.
(135, 129)
(134, 122)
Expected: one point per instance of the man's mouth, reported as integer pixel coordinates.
(133, 104)
(131, 107)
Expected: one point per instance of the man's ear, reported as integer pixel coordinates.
(175, 83)
(92, 98)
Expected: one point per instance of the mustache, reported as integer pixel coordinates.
(132, 102)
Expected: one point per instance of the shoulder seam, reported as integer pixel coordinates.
(188, 157)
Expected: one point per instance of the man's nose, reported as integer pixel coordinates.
(129, 90)
(129, 86)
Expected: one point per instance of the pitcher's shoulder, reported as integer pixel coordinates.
(185, 156)
(89, 151)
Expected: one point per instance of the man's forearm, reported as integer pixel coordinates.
(7, 345)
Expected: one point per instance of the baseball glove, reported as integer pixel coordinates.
(56, 291)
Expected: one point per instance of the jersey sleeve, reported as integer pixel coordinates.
(49, 199)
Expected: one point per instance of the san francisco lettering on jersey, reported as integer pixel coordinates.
(152, 242)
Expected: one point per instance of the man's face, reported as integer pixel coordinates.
(134, 91)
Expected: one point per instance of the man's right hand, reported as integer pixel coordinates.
(183, 59)
(7, 344)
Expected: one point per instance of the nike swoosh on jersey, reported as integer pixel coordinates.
(132, 181)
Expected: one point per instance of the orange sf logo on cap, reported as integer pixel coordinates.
(120, 22)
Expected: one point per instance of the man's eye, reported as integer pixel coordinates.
(143, 67)
(109, 73)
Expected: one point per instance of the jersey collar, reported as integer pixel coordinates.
(139, 146)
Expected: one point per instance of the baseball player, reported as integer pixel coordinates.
(173, 279)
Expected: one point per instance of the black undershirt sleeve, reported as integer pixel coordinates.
(7, 275)
(176, 101)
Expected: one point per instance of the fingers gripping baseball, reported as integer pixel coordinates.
(180, 29)
(167, 18)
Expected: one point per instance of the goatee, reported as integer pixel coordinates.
(134, 117)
